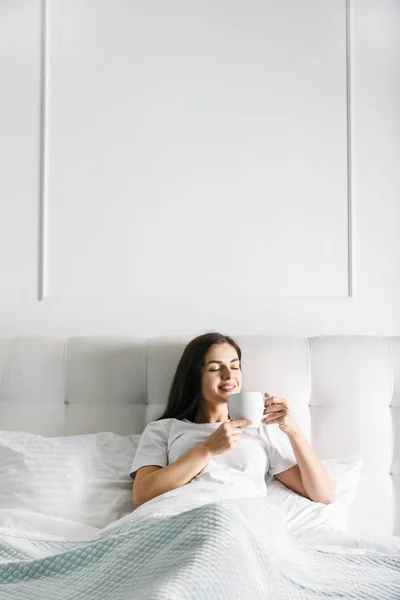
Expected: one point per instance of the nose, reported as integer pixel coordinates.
(226, 373)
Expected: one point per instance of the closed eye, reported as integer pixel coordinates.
(232, 368)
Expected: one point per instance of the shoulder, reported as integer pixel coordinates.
(161, 428)
(160, 425)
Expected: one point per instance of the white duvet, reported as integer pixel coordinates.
(24, 523)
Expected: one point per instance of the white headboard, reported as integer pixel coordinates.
(344, 392)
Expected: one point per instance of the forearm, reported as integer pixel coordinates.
(314, 477)
(175, 475)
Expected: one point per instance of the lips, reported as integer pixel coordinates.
(226, 388)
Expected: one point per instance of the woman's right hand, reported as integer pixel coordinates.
(226, 436)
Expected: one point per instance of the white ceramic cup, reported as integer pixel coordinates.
(247, 405)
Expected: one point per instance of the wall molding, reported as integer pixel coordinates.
(43, 158)
(43, 225)
(350, 207)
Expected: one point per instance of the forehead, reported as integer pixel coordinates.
(224, 352)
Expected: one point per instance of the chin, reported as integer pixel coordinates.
(226, 395)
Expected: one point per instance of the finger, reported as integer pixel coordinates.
(274, 417)
(275, 407)
(240, 423)
(276, 413)
(274, 400)
(271, 408)
(234, 442)
(236, 433)
(233, 430)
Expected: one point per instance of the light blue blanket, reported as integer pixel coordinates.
(229, 549)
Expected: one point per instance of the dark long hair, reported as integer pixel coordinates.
(185, 393)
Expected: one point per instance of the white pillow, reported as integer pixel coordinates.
(81, 478)
(304, 515)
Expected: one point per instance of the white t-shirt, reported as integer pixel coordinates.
(243, 469)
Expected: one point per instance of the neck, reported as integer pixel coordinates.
(212, 414)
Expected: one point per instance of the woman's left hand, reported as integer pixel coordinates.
(279, 413)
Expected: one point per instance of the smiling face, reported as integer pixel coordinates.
(221, 374)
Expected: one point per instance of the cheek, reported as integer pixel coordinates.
(206, 383)
(208, 388)
(239, 379)
(209, 382)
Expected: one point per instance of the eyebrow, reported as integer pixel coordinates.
(220, 362)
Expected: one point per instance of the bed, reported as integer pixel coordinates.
(71, 414)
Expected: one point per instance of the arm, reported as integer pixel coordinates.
(152, 481)
(309, 477)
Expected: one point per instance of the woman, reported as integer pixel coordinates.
(195, 443)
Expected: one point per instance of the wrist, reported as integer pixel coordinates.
(205, 450)
(295, 434)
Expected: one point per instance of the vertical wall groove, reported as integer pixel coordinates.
(394, 465)
(42, 267)
(65, 384)
(350, 238)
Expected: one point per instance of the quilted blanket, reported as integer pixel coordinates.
(235, 548)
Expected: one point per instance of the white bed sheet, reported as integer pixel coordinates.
(23, 523)
(345, 541)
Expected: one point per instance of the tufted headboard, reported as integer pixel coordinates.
(344, 392)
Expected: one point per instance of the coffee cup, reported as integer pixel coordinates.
(247, 405)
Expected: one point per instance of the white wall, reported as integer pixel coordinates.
(175, 167)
